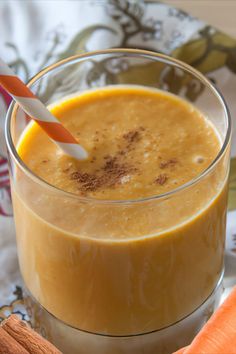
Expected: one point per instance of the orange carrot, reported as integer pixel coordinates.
(180, 351)
(218, 336)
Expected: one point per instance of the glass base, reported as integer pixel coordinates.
(164, 341)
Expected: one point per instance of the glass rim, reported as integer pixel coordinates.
(129, 52)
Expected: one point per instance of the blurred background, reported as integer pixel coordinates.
(211, 12)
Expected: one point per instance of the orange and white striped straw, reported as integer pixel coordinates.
(39, 113)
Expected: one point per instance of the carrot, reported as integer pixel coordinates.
(180, 351)
(218, 336)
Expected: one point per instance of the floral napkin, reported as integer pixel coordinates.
(35, 34)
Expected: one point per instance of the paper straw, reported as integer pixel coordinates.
(39, 113)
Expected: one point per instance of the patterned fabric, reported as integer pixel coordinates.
(35, 34)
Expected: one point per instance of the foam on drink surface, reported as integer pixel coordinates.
(141, 142)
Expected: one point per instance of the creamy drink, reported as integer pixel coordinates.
(130, 269)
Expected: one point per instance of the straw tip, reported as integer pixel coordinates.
(83, 154)
(74, 150)
(79, 153)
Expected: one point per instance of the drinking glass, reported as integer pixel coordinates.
(117, 276)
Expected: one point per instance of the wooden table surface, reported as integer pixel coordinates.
(219, 13)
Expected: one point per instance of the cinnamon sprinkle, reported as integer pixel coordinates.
(132, 136)
(113, 170)
(93, 159)
(168, 163)
(161, 179)
(109, 175)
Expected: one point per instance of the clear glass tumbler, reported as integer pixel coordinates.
(95, 282)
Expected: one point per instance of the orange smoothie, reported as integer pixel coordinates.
(113, 250)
